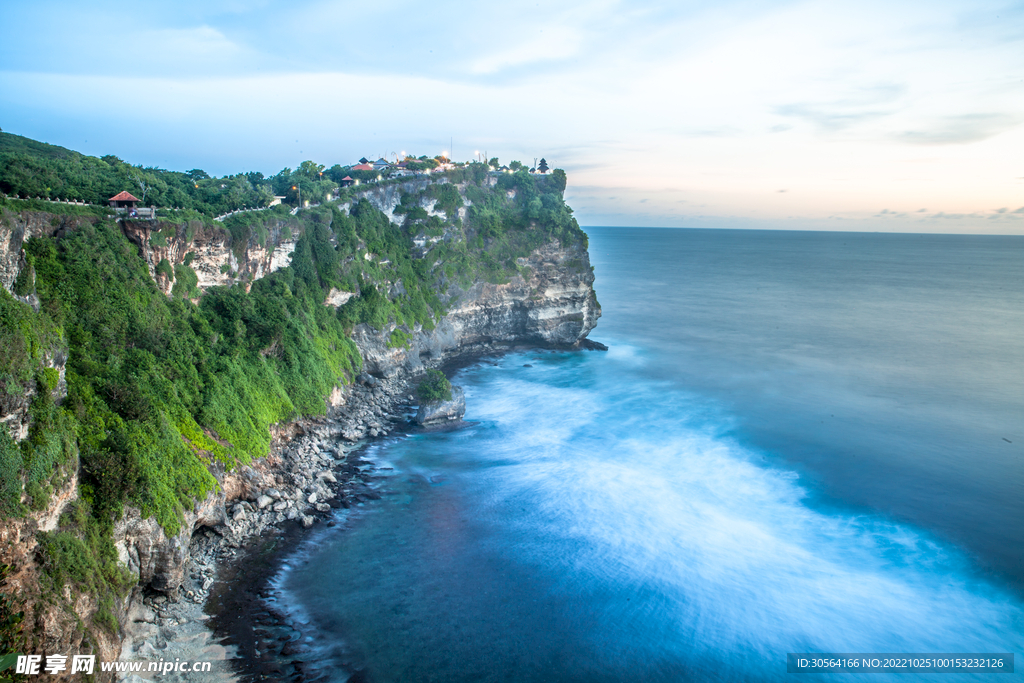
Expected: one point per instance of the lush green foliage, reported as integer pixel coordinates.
(10, 621)
(82, 554)
(159, 387)
(391, 259)
(35, 169)
(435, 387)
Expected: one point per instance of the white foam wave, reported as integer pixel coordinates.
(629, 490)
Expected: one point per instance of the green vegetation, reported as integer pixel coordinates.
(30, 169)
(434, 388)
(82, 554)
(164, 268)
(160, 387)
(11, 641)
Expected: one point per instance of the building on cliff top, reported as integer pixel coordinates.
(123, 200)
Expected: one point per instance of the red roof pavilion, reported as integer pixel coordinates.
(123, 200)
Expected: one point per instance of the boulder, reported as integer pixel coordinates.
(442, 412)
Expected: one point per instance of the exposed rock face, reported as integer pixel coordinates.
(18, 227)
(14, 408)
(213, 257)
(159, 561)
(555, 307)
(443, 412)
(49, 626)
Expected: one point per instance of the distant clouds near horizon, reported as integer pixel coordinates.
(746, 114)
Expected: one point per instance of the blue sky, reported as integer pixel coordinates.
(890, 116)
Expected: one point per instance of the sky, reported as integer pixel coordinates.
(896, 116)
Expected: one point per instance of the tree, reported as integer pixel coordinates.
(543, 166)
(310, 170)
(140, 180)
(515, 165)
(336, 173)
(558, 180)
(494, 163)
(197, 174)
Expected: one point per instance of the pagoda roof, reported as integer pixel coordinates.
(123, 197)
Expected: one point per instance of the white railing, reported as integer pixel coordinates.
(72, 202)
(220, 218)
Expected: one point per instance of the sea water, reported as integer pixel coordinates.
(797, 442)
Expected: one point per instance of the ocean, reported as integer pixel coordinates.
(796, 442)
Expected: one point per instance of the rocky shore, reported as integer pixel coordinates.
(316, 468)
(304, 480)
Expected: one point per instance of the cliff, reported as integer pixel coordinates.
(416, 274)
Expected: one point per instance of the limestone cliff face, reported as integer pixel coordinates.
(209, 251)
(556, 307)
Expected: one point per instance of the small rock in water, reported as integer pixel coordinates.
(527, 365)
(307, 520)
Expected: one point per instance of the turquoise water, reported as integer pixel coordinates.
(798, 442)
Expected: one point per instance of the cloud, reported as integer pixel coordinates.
(557, 43)
(961, 129)
(863, 105)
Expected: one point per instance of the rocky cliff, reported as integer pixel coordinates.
(549, 301)
(553, 306)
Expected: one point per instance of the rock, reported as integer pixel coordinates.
(280, 505)
(323, 507)
(311, 499)
(327, 476)
(441, 412)
(307, 520)
(591, 345)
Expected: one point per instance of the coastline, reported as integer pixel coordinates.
(220, 613)
(297, 487)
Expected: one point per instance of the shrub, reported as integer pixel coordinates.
(434, 388)
(164, 268)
